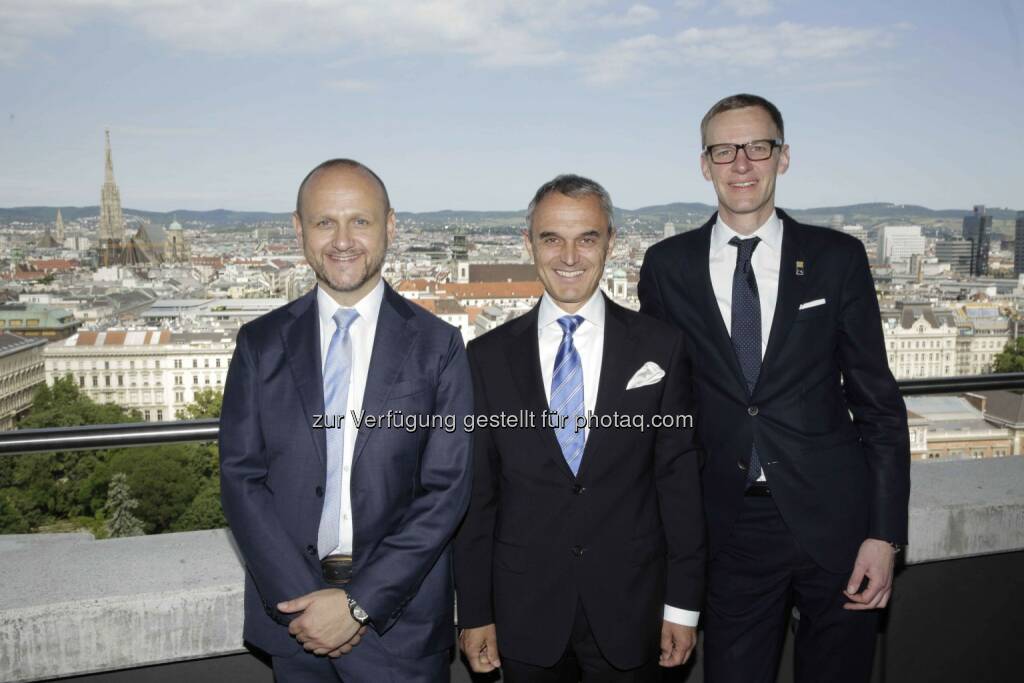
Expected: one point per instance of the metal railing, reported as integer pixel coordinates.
(96, 437)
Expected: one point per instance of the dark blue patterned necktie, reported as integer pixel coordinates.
(746, 327)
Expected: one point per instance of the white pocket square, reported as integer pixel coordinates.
(650, 373)
(812, 304)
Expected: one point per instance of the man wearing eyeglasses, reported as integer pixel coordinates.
(806, 479)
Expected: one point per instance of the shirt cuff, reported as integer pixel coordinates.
(683, 617)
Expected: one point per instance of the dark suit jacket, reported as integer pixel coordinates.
(625, 536)
(409, 489)
(837, 479)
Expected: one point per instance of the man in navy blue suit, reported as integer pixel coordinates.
(807, 473)
(342, 513)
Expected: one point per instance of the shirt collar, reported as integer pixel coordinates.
(368, 307)
(770, 233)
(592, 311)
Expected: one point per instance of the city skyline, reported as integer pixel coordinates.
(460, 106)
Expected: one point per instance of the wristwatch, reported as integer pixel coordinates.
(897, 548)
(358, 613)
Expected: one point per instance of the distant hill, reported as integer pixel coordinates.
(686, 213)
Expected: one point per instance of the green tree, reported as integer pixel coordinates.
(164, 480)
(206, 404)
(1011, 359)
(118, 511)
(12, 521)
(205, 511)
(43, 488)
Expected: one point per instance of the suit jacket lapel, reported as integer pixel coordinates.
(301, 338)
(394, 339)
(791, 289)
(616, 361)
(524, 361)
(701, 267)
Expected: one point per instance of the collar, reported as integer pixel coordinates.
(770, 233)
(368, 307)
(592, 311)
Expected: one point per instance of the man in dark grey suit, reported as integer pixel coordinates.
(344, 528)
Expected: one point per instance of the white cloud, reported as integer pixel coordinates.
(689, 5)
(498, 32)
(774, 46)
(348, 85)
(749, 8)
(626, 58)
(636, 15)
(784, 47)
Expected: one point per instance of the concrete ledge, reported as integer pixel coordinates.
(79, 607)
(966, 508)
(70, 605)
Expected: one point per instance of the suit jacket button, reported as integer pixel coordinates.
(311, 549)
(577, 489)
(319, 491)
(752, 411)
(577, 550)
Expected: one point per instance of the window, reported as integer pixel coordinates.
(106, 380)
(195, 379)
(131, 365)
(95, 381)
(159, 415)
(206, 362)
(106, 365)
(178, 380)
(195, 362)
(81, 381)
(177, 363)
(120, 380)
(218, 362)
(146, 415)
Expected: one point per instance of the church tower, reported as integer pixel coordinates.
(60, 228)
(111, 235)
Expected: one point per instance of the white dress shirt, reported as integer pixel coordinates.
(766, 262)
(589, 342)
(362, 332)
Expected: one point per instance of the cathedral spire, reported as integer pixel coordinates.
(109, 175)
(60, 227)
(111, 220)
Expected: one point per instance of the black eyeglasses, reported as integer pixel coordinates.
(756, 150)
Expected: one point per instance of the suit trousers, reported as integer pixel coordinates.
(753, 579)
(368, 662)
(582, 661)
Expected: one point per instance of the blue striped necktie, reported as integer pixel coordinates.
(746, 328)
(567, 394)
(337, 372)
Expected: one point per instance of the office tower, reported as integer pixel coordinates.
(977, 227)
(1018, 244)
(899, 243)
(957, 253)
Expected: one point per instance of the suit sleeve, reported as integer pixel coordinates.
(392, 574)
(272, 559)
(475, 541)
(874, 400)
(648, 291)
(677, 475)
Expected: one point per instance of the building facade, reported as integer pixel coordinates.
(154, 371)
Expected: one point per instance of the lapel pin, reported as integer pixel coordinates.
(799, 267)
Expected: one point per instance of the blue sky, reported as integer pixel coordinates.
(465, 104)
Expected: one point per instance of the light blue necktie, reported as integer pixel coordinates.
(567, 394)
(337, 371)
